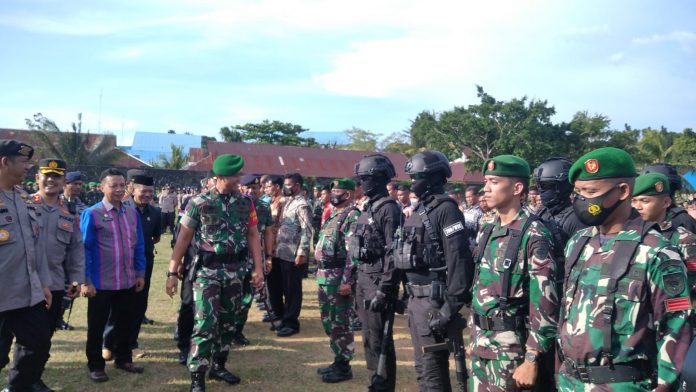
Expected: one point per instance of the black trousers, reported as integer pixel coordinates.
(285, 291)
(141, 305)
(168, 221)
(184, 322)
(432, 369)
(32, 329)
(373, 334)
(53, 316)
(118, 303)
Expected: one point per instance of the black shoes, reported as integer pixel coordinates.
(148, 321)
(198, 382)
(240, 340)
(356, 325)
(326, 370)
(287, 331)
(98, 376)
(218, 372)
(341, 372)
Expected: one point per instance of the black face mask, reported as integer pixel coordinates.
(419, 187)
(287, 191)
(337, 200)
(372, 185)
(590, 210)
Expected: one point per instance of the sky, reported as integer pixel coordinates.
(198, 65)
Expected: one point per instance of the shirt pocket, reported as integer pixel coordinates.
(64, 232)
(7, 236)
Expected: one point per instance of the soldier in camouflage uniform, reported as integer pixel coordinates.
(624, 314)
(652, 200)
(514, 307)
(251, 188)
(335, 277)
(223, 223)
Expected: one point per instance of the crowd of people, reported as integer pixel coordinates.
(583, 281)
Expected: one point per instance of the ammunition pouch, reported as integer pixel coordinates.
(366, 244)
(500, 323)
(436, 291)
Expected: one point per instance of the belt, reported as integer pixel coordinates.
(500, 323)
(631, 371)
(418, 291)
(370, 268)
(211, 258)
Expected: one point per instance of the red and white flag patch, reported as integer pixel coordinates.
(675, 304)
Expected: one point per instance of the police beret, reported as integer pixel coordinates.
(605, 162)
(134, 172)
(52, 165)
(228, 165)
(651, 184)
(250, 179)
(143, 180)
(73, 176)
(343, 183)
(506, 166)
(12, 148)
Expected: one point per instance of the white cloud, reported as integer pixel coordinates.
(616, 57)
(127, 53)
(681, 37)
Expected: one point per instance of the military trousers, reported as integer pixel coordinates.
(217, 294)
(335, 312)
(494, 375)
(373, 334)
(32, 329)
(432, 369)
(245, 303)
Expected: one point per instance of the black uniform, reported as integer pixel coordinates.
(562, 224)
(679, 217)
(373, 235)
(439, 272)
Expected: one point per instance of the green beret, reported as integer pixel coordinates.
(228, 165)
(651, 184)
(605, 162)
(343, 183)
(506, 166)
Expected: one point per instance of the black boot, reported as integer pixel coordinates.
(326, 370)
(198, 382)
(218, 371)
(240, 340)
(340, 372)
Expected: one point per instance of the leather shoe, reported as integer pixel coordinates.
(39, 386)
(240, 340)
(98, 376)
(221, 374)
(130, 367)
(287, 331)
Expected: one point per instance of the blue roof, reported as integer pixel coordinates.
(690, 177)
(148, 146)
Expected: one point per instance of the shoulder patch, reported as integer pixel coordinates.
(453, 228)
(676, 304)
(674, 283)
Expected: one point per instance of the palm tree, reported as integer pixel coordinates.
(176, 161)
(72, 146)
(656, 145)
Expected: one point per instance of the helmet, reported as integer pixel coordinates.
(429, 162)
(675, 181)
(553, 169)
(375, 165)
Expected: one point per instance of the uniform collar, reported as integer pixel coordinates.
(108, 206)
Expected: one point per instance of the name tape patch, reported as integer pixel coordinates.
(453, 228)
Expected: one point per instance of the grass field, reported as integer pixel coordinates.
(268, 364)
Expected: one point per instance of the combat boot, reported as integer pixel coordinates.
(197, 381)
(218, 372)
(325, 370)
(340, 372)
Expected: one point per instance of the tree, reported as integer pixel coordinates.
(73, 146)
(361, 140)
(205, 140)
(684, 148)
(266, 132)
(176, 161)
(425, 133)
(656, 146)
(397, 142)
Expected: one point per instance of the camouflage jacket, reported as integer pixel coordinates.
(650, 316)
(295, 229)
(532, 292)
(221, 222)
(332, 250)
(684, 240)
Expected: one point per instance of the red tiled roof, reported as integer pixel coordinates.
(278, 160)
(459, 173)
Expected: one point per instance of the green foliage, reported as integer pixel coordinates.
(176, 161)
(206, 139)
(361, 140)
(72, 146)
(267, 132)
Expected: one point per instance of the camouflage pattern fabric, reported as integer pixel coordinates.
(217, 295)
(684, 240)
(295, 231)
(651, 308)
(220, 221)
(494, 375)
(532, 293)
(335, 318)
(487, 217)
(332, 248)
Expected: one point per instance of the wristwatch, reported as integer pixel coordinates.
(531, 357)
(170, 273)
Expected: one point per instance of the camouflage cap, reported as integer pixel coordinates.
(506, 166)
(228, 165)
(343, 183)
(651, 184)
(605, 162)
